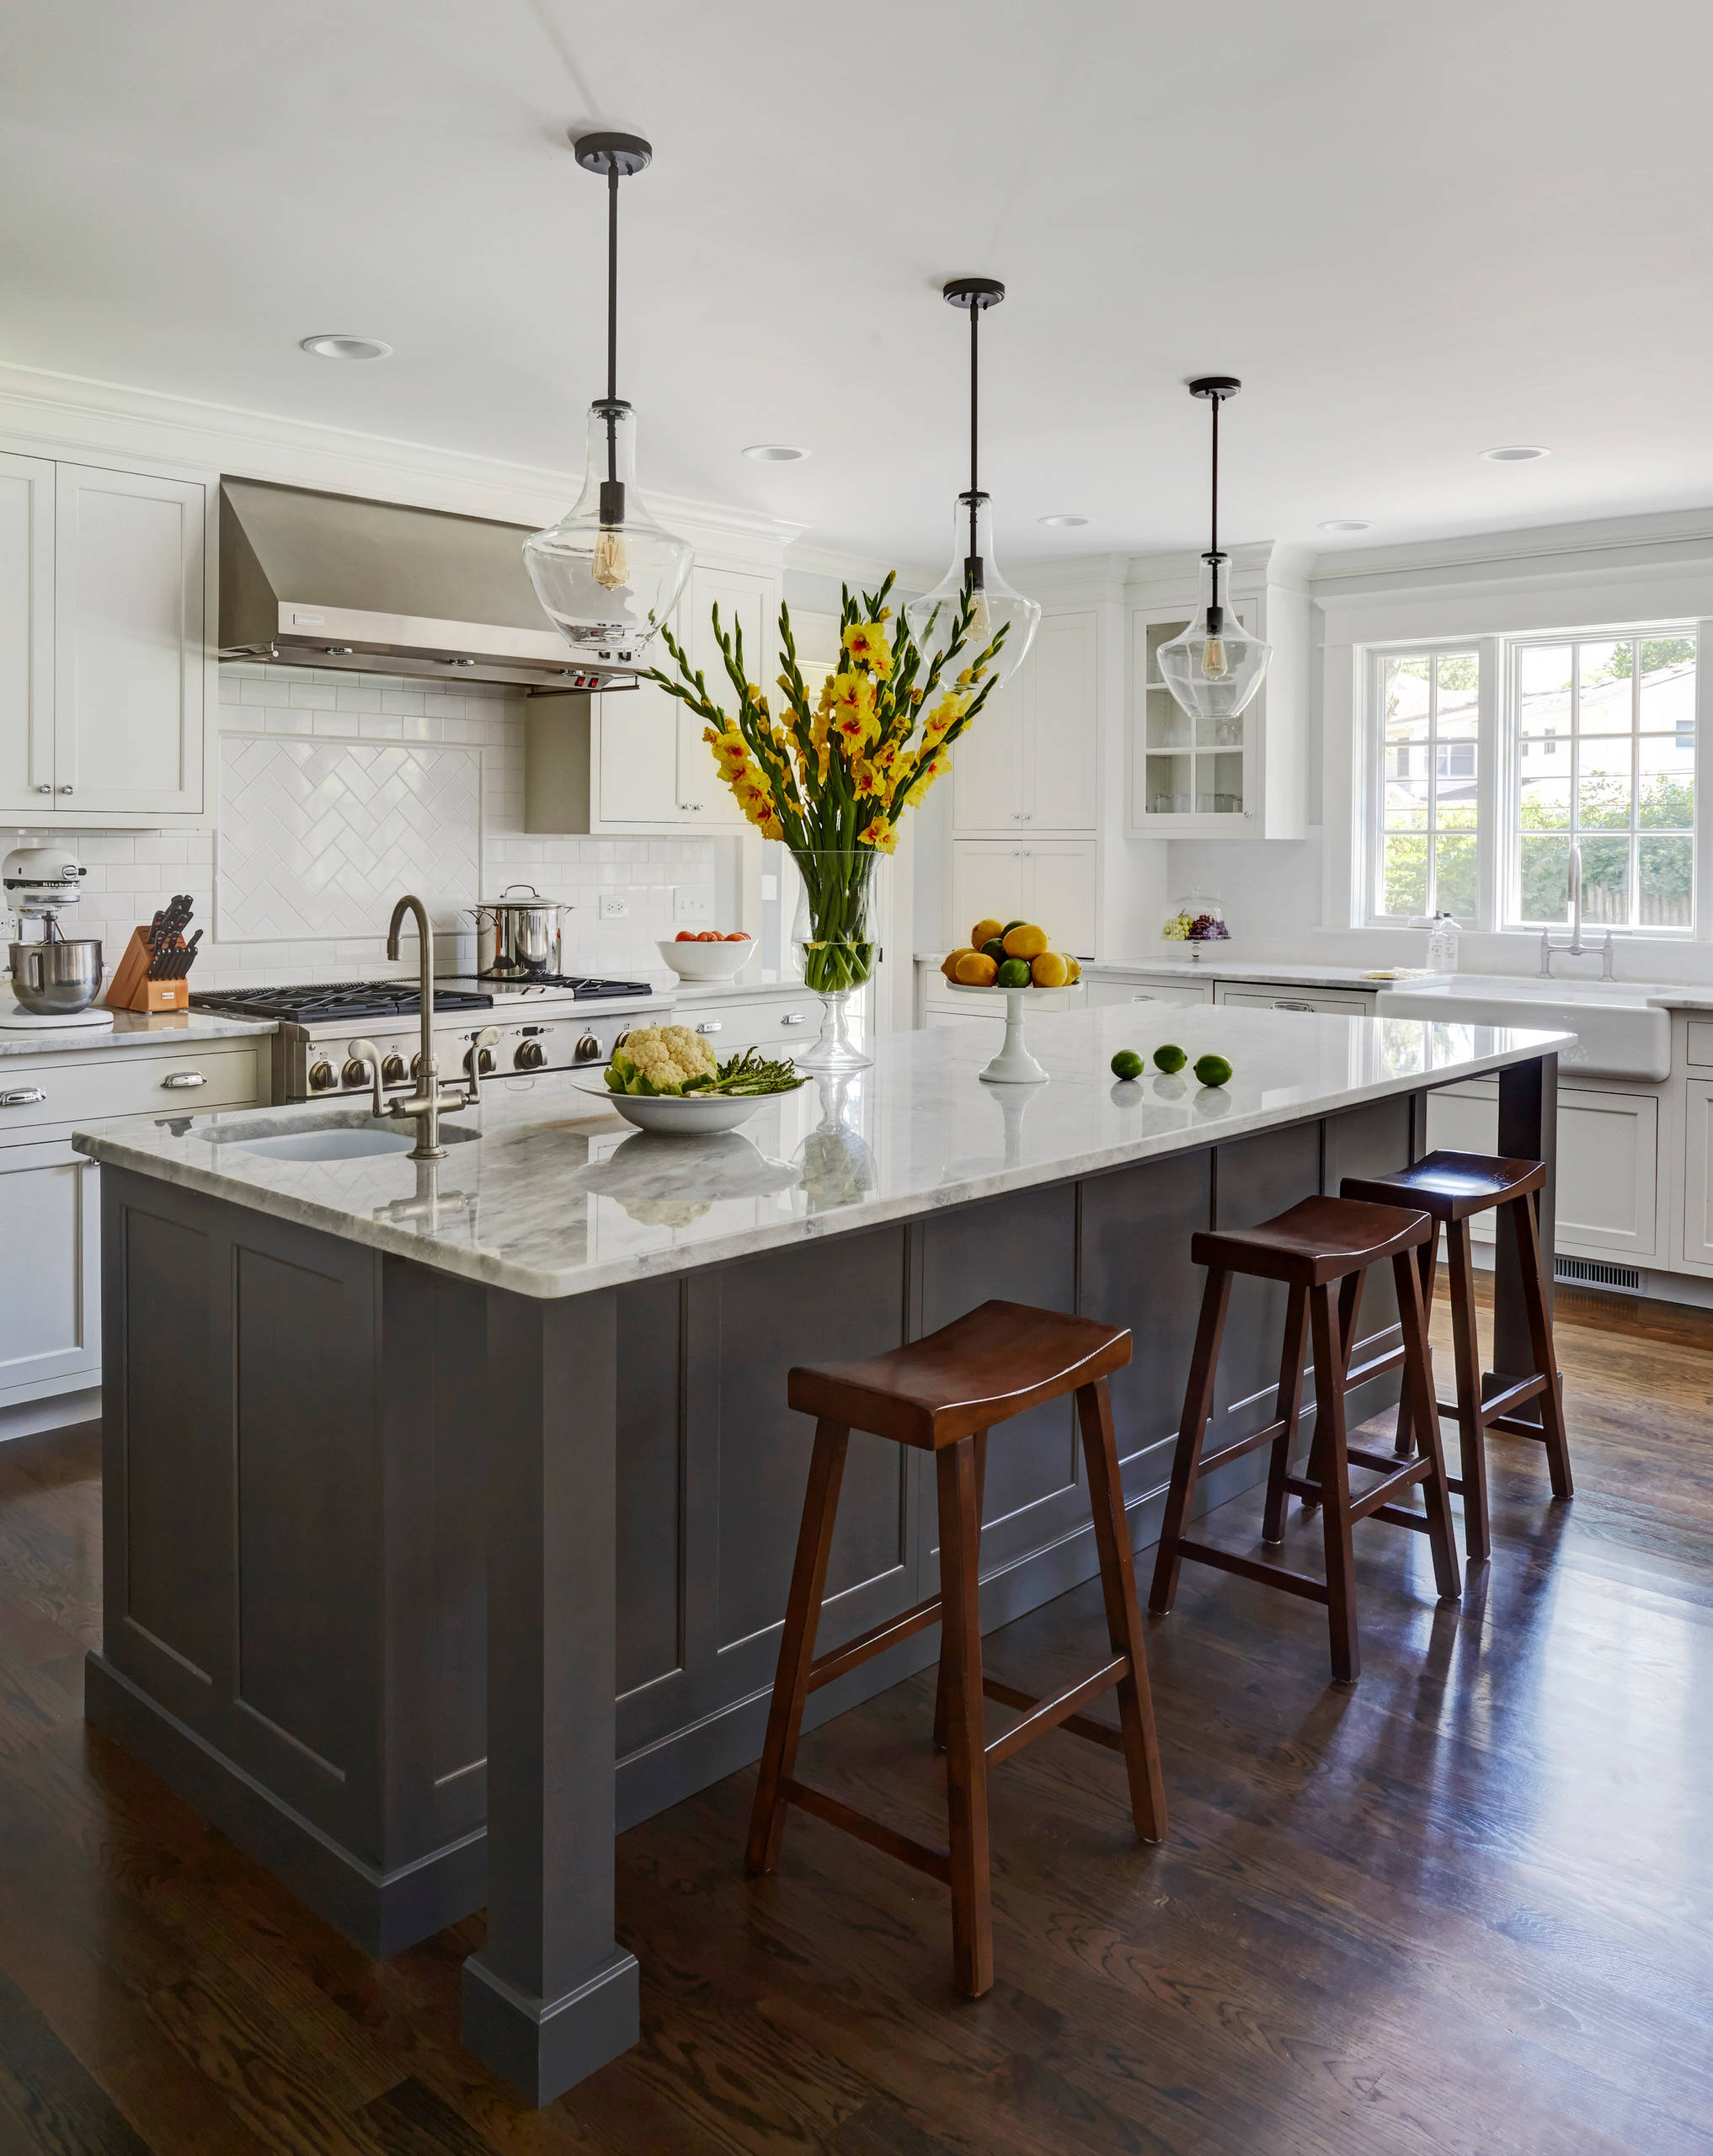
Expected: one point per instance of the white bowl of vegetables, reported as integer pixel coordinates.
(666, 1078)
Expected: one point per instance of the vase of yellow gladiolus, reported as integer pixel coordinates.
(833, 775)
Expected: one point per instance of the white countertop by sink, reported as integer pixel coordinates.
(558, 1197)
(131, 1029)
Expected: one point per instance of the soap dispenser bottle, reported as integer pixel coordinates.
(1442, 943)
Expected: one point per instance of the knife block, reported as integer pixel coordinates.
(131, 988)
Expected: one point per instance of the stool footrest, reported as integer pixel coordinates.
(1513, 1395)
(1378, 1499)
(1399, 1518)
(1513, 1426)
(1381, 1463)
(875, 1640)
(1042, 1715)
(1250, 1568)
(1268, 1433)
(936, 1863)
(1392, 1358)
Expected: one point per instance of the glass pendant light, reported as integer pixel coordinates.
(607, 573)
(974, 577)
(1215, 667)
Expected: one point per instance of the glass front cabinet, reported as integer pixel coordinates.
(1244, 777)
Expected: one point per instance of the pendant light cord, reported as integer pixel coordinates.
(972, 566)
(612, 185)
(1214, 515)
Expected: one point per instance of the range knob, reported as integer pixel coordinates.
(392, 1071)
(483, 1059)
(355, 1072)
(587, 1050)
(530, 1056)
(416, 1068)
(321, 1077)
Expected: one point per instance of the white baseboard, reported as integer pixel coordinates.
(30, 1417)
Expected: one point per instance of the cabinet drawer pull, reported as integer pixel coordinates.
(1279, 1004)
(791, 1018)
(177, 1081)
(22, 1097)
(711, 1026)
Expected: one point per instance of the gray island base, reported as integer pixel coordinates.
(450, 1508)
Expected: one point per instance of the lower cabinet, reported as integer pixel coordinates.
(50, 1270)
(1050, 882)
(1340, 1003)
(1102, 991)
(1697, 1172)
(1607, 1163)
(777, 1023)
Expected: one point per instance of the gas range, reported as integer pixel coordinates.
(543, 1027)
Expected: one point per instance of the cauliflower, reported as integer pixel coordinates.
(660, 1059)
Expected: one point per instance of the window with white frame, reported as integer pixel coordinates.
(1428, 858)
(1604, 735)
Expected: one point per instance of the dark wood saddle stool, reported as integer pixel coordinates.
(1319, 1244)
(1452, 1188)
(943, 1394)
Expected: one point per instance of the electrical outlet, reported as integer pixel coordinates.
(613, 907)
(770, 890)
(689, 905)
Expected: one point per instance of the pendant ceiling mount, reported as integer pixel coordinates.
(607, 574)
(973, 591)
(1214, 667)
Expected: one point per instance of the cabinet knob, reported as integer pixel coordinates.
(22, 1097)
(67, 789)
(180, 1082)
(43, 789)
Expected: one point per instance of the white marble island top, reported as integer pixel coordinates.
(131, 1029)
(553, 1194)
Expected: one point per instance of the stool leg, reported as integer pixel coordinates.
(966, 1758)
(1540, 1336)
(1429, 1255)
(1465, 1347)
(1288, 1407)
(940, 1679)
(1106, 1491)
(1344, 1340)
(1335, 1483)
(797, 1645)
(1418, 1391)
(1186, 1462)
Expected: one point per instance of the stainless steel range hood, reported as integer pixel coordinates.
(329, 580)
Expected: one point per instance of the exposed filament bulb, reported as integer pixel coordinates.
(1214, 666)
(612, 563)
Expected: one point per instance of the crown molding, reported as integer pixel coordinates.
(1613, 541)
(72, 417)
(814, 558)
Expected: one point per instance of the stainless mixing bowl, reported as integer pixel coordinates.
(57, 979)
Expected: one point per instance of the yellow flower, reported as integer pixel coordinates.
(880, 835)
(945, 715)
(771, 828)
(850, 692)
(866, 644)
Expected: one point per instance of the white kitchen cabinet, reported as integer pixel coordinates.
(1051, 882)
(1030, 757)
(1103, 989)
(1608, 1203)
(129, 660)
(704, 800)
(1350, 1004)
(50, 1270)
(26, 635)
(1697, 1172)
(788, 1016)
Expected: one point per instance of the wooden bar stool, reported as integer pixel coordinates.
(1452, 1188)
(1322, 1241)
(943, 1394)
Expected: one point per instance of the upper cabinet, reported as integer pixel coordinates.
(102, 665)
(1246, 778)
(1030, 760)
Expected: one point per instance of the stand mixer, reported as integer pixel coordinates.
(55, 978)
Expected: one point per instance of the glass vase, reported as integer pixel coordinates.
(833, 941)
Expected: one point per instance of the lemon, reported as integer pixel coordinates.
(1075, 972)
(948, 964)
(1025, 940)
(1052, 969)
(984, 931)
(975, 969)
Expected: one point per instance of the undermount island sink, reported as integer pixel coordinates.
(345, 1137)
(1618, 1035)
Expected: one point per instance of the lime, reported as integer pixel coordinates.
(1011, 925)
(1213, 1070)
(1126, 1064)
(1014, 973)
(994, 949)
(1169, 1057)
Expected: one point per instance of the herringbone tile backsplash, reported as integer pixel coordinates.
(338, 792)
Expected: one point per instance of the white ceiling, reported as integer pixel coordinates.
(1415, 232)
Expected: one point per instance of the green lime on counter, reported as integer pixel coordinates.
(1126, 1064)
(1170, 1058)
(1213, 1070)
(1014, 973)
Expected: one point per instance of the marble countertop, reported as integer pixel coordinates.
(1213, 966)
(554, 1194)
(131, 1029)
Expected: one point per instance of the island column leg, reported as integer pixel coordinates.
(1527, 1131)
(552, 1997)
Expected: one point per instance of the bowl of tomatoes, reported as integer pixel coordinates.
(704, 954)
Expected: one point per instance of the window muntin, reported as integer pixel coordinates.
(1604, 733)
(1428, 857)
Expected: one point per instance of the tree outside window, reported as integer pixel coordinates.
(1430, 709)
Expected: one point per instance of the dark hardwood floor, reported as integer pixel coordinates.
(1466, 1906)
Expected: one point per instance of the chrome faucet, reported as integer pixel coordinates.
(429, 1100)
(1576, 948)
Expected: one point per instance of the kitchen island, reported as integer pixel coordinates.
(450, 1506)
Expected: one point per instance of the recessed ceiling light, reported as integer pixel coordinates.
(1063, 522)
(1347, 524)
(1520, 453)
(336, 347)
(775, 452)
